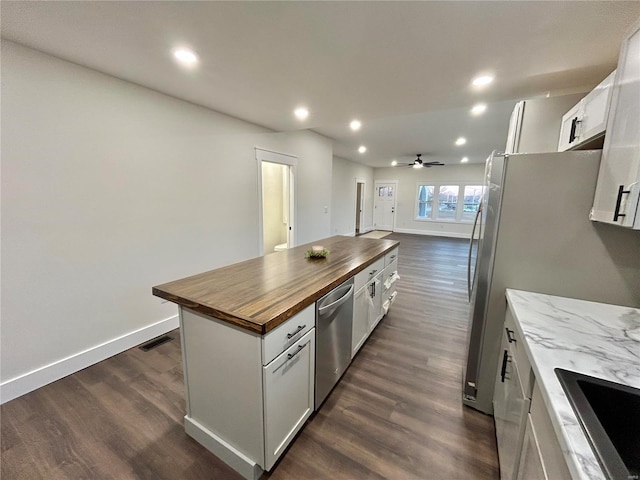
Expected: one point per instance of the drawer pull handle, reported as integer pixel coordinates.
(510, 336)
(393, 256)
(300, 348)
(299, 329)
(372, 272)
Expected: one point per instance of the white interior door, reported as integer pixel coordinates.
(384, 205)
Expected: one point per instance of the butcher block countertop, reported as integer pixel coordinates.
(261, 293)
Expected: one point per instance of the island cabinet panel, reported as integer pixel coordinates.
(223, 381)
(288, 395)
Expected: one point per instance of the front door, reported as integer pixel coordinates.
(384, 206)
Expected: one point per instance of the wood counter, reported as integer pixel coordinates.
(261, 293)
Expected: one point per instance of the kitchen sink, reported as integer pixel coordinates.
(609, 413)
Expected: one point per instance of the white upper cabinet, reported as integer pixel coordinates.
(618, 187)
(587, 120)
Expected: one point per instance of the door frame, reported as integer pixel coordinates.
(362, 204)
(395, 201)
(263, 155)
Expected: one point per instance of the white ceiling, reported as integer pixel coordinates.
(403, 68)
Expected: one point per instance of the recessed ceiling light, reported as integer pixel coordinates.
(362, 149)
(301, 113)
(464, 160)
(482, 80)
(394, 163)
(461, 141)
(185, 56)
(479, 109)
(355, 125)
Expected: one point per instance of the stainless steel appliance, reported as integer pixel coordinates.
(535, 234)
(334, 318)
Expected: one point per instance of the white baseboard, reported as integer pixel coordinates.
(42, 376)
(349, 234)
(435, 233)
(221, 449)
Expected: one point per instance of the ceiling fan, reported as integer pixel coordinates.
(418, 163)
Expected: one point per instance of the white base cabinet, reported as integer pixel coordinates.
(528, 448)
(288, 395)
(531, 467)
(244, 401)
(376, 290)
(511, 401)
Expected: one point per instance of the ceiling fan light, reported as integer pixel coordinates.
(394, 163)
(417, 165)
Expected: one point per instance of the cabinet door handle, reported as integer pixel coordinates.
(298, 330)
(503, 370)
(510, 336)
(574, 127)
(616, 212)
(300, 348)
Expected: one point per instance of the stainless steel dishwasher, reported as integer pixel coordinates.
(334, 317)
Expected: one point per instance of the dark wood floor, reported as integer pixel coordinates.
(397, 414)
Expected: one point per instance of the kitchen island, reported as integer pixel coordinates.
(248, 343)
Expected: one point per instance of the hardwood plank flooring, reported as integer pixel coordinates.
(397, 413)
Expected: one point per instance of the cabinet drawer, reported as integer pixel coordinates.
(391, 257)
(389, 276)
(288, 395)
(285, 335)
(368, 273)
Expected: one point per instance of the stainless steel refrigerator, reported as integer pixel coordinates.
(535, 234)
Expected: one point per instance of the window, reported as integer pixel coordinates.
(425, 200)
(448, 203)
(471, 202)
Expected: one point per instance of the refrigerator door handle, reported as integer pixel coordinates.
(473, 232)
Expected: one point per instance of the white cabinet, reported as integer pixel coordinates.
(618, 186)
(361, 326)
(587, 120)
(510, 402)
(528, 448)
(288, 395)
(531, 467)
(535, 124)
(245, 401)
(367, 306)
(367, 310)
(375, 291)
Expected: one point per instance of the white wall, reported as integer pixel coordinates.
(408, 179)
(343, 217)
(109, 188)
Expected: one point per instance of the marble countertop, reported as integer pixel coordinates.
(587, 337)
